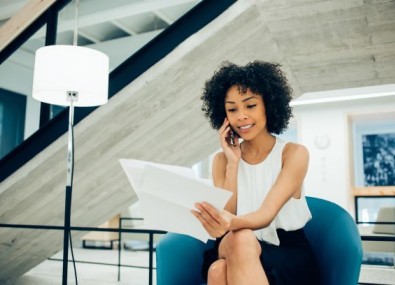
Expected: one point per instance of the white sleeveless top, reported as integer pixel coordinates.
(253, 184)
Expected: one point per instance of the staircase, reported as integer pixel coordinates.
(155, 116)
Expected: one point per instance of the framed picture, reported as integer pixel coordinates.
(374, 153)
(378, 156)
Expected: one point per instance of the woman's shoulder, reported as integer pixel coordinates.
(295, 150)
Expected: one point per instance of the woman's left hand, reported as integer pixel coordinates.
(216, 223)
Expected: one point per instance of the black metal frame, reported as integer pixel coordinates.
(150, 232)
(120, 242)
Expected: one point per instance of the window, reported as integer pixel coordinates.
(12, 120)
(369, 207)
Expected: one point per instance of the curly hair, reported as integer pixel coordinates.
(262, 78)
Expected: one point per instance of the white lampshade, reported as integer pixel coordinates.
(59, 69)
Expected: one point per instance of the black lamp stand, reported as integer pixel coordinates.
(71, 96)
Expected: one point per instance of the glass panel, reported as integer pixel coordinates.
(55, 110)
(16, 79)
(12, 120)
(1, 127)
(369, 207)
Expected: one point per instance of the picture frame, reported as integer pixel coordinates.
(378, 159)
(368, 135)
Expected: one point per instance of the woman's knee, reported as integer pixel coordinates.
(217, 272)
(242, 242)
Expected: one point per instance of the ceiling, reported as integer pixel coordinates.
(117, 28)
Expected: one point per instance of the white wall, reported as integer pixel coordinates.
(329, 175)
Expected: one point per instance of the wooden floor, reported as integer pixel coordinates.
(50, 271)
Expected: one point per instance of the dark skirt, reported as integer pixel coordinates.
(290, 263)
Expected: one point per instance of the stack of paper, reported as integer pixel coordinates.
(167, 194)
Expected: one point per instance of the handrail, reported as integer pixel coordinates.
(194, 20)
(16, 31)
(119, 230)
(22, 19)
(75, 228)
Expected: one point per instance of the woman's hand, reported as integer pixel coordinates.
(232, 152)
(216, 223)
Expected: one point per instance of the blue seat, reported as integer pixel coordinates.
(332, 233)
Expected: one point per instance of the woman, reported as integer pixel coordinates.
(260, 238)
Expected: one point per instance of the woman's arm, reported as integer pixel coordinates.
(225, 167)
(288, 185)
(225, 176)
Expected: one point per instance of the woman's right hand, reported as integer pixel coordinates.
(215, 223)
(232, 152)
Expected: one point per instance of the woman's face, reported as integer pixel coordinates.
(246, 113)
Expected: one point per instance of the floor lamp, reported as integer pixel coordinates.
(72, 76)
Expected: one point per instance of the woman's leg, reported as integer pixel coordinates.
(217, 273)
(241, 251)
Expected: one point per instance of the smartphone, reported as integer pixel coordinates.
(232, 140)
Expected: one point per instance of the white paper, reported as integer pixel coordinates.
(167, 194)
